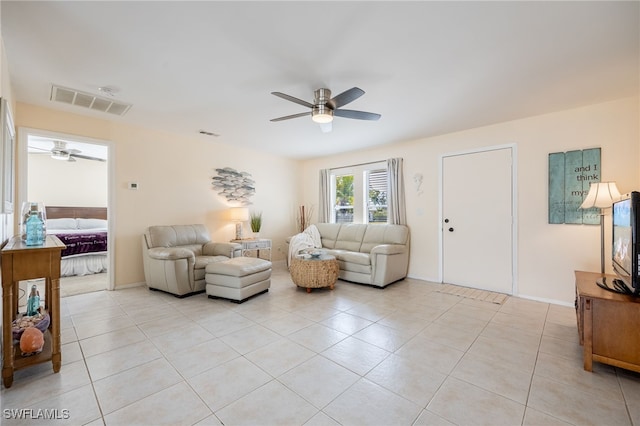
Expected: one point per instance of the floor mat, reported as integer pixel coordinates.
(474, 293)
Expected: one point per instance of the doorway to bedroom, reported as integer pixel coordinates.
(71, 176)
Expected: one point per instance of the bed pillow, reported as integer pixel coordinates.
(64, 223)
(92, 224)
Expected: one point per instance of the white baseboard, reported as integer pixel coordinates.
(544, 300)
(131, 285)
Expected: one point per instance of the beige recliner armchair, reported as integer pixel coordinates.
(175, 257)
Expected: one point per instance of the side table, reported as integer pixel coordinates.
(255, 244)
(314, 272)
(21, 262)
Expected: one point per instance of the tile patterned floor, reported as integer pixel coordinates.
(406, 355)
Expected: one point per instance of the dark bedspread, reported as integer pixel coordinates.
(93, 242)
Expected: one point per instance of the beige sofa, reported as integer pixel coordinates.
(175, 257)
(374, 254)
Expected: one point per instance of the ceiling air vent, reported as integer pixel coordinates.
(87, 100)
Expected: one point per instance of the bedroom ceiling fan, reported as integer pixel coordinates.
(324, 107)
(62, 153)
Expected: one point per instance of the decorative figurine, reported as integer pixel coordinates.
(33, 303)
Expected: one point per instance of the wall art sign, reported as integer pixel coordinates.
(570, 174)
(237, 187)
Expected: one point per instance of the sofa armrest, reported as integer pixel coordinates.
(170, 253)
(222, 249)
(389, 263)
(389, 249)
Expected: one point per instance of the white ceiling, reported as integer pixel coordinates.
(428, 67)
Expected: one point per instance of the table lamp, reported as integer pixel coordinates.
(601, 195)
(239, 215)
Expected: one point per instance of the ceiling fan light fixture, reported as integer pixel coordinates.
(60, 155)
(322, 115)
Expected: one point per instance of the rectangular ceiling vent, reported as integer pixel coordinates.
(87, 100)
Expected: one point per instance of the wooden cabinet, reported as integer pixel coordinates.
(608, 323)
(21, 262)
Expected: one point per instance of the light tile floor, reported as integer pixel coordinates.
(355, 356)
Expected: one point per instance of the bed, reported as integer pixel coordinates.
(84, 231)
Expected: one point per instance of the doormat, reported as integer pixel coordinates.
(473, 293)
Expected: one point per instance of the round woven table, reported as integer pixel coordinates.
(314, 272)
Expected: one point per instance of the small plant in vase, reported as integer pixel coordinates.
(255, 218)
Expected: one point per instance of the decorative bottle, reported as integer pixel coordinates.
(33, 303)
(35, 227)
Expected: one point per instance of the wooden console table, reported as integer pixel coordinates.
(21, 262)
(608, 323)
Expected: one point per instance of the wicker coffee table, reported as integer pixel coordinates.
(314, 272)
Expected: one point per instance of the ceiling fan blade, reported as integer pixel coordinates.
(45, 150)
(288, 117)
(358, 115)
(345, 97)
(86, 157)
(292, 99)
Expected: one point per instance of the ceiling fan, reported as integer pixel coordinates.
(324, 107)
(62, 153)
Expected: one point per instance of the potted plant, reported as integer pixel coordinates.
(255, 218)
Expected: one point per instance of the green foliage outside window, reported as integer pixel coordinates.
(378, 206)
(344, 190)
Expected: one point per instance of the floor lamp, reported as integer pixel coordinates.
(601, 195)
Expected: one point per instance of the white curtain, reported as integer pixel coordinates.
(397, 212)
(324, 215)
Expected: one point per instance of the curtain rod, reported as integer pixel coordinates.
(357, 165)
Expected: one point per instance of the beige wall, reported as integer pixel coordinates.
(56, 183)
(547, 254)
(174, 177)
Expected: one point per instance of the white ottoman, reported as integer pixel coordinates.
(237, 279)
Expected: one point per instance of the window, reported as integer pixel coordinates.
(360, 194)
(377, 199)
(344, 199)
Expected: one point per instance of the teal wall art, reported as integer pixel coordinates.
(570, 174)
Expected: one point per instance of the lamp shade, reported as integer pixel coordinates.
(601, 195)
(239, 214)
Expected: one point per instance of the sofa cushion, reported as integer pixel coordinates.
(203, 261)
(350, 236)
(195, 248)
(352, 257)
(239, 266)
(178, 235)
(355, 267)
(328, 234)
(383, 234)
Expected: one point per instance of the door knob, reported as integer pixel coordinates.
(450, 229)
(446, 221)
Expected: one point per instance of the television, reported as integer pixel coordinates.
(625, 247)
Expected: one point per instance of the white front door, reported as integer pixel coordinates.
(477, 235)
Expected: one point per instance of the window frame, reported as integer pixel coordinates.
(360, 189)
